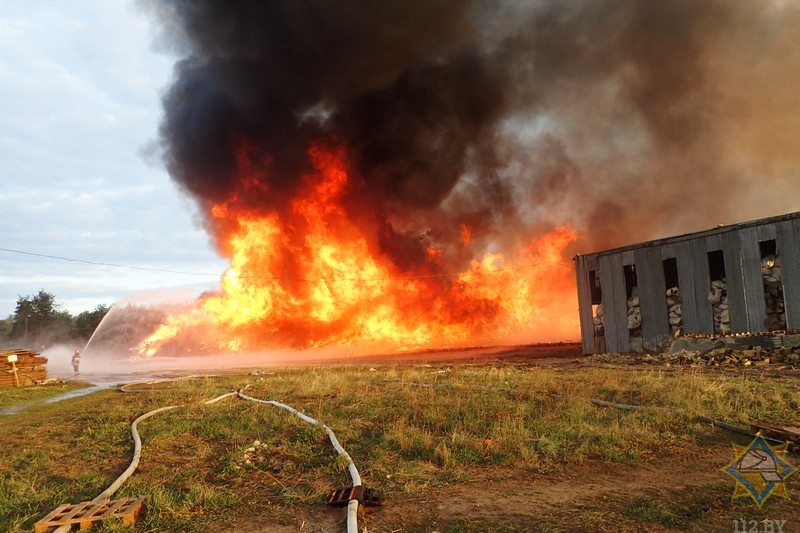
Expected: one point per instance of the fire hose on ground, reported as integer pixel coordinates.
(352, 506)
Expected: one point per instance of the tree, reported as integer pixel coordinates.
(6, 325)
(86, 322)
(60, 329)
(38, 321)
(33, 317)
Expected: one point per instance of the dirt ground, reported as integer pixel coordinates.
(543, 500)
(545, 354)
(505, 495)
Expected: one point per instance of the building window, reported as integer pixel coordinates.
(674, 300)
(773, 286)
(718, 295)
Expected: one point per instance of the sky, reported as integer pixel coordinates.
(630, 125)
(80, 86)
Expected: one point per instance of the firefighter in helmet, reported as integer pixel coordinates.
(76, 361)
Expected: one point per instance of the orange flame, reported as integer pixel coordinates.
(309, 278)
(466, 233)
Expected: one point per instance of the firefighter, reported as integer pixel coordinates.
(76, 360)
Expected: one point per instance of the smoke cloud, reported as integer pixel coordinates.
(627, 120)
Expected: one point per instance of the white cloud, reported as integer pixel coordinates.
(79, 84)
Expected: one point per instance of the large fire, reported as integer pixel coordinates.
(312, 277)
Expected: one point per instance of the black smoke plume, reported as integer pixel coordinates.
(625, 119)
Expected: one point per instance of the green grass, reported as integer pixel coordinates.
(412, 430)
(654, 512)
(11, 396)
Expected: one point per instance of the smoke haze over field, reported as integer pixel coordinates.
(627, 120)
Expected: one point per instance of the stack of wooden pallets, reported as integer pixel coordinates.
(30, 368)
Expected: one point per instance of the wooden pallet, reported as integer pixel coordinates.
(87, 513)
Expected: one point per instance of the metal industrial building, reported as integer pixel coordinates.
(735, 257)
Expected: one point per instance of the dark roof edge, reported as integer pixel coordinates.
(719, 230)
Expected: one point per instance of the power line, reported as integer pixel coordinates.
(116, 265)
(273, 278)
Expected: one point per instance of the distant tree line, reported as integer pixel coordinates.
(38, 322)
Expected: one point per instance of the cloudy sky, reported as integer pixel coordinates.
(687, 106)
(79, 86)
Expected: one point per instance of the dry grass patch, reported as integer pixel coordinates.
(411, 430)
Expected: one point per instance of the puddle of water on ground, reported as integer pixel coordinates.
(96, 385)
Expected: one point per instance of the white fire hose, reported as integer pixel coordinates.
(137, 452)
(352, 506)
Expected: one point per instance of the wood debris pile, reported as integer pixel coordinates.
(31, 368)
(728, 356)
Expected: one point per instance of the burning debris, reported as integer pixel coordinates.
(412, 173)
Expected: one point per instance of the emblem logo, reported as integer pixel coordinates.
(760, 470)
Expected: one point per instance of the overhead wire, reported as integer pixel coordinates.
(100, 263)
(294, 279)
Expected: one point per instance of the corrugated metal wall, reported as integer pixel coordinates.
(787, 237)
(615, 304)
(741, 250)
(582, 268)
(652, 289)
(731, 248)
(694, 281)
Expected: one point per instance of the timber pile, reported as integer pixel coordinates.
(773, 293)
(31, 368)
